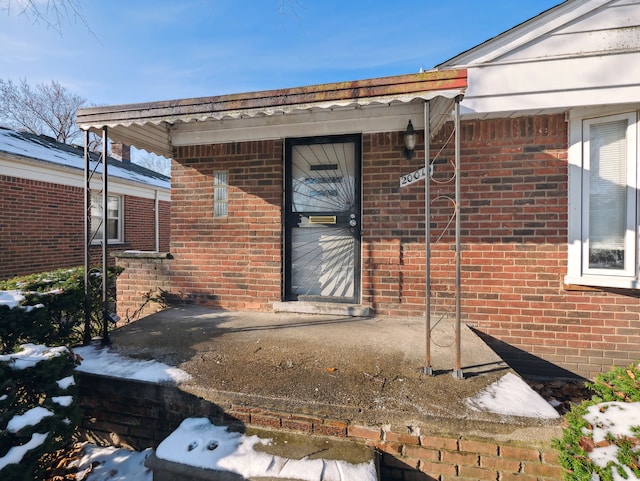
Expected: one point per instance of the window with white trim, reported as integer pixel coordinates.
(220, 193)
(603, 214)
(114, 223)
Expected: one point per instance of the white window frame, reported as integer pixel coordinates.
(579, 272)
(119, 239)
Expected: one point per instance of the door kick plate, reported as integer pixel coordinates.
(322, 219)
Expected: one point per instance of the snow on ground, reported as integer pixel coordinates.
(199, 443)
(103, 361)
(113, 464)
(511, 396)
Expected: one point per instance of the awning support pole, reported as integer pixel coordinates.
(427, 369)
(457, 372)
(105, 243)
(87, 241)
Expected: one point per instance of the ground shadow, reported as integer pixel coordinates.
(524, 363)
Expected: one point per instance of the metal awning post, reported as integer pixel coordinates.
(428, 369)
(457, 373)
(105, 242)
(87, 241)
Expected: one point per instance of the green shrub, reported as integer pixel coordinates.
(53, 312)
(36, 386)
(617, 385)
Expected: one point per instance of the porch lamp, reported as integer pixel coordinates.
(409, 141)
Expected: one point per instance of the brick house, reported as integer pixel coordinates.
(291, 198)
(42, 198)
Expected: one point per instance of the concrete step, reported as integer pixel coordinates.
(327, 308)
(187, 455)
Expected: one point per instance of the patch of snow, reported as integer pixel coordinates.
(30, 418)
(199, 443)
(612, 420)
(113, 464)
(16, 453)
(30, 355)
(63, 400)
(66, 382)
(4, 397)
(511, 396)
(11, 298)
(615, 418)
(31, 308)
(14, 143)
(100, 360)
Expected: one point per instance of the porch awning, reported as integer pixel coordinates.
(328, 108)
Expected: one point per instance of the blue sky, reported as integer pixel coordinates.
(147, 50)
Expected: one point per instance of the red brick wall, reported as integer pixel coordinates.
(42, 226)
(393, 228)
(514, 253)
(164, 226)
(514, 240)
(142, 284)
(139, 226)
(234, 262)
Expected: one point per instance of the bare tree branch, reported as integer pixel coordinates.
(154, 162)
(46, 109)
(51, 13)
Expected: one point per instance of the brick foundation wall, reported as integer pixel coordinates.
(141, 415)
(42, 226)
(141, 284)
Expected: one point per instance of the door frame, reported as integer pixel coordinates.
(289, 143)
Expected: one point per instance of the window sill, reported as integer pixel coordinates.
(595, 283)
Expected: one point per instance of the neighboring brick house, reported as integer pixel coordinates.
(286, 196)
(42, 205)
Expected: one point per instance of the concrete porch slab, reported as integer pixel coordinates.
(363, 371)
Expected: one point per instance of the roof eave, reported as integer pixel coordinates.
(148, 125)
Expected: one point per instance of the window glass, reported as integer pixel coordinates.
(603, 213)
(607, 195)
(114, 218)
(220, 193)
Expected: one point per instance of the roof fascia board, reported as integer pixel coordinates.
(319, 122)
(492, 50)
(171, 111)
(41, 171)
(378, 118)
